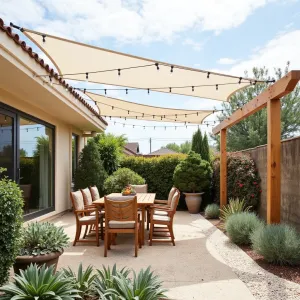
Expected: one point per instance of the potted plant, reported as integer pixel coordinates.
(42, 243)
(192, 176)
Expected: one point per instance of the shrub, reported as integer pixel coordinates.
(157, 171)
(192, 174)
(240, 227)
(243, 180)
(90, 170)
(114, 284)
(111, 150)
(39, 283)
(212, 211)
(234, 206)
(121, 178)
(43, 238)
(278, 244)
(11, 216)
(83, 281)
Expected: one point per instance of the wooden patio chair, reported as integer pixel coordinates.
(163, 217)
(161, 203)
(121, 216)
(88, 202)
(94, 192)
(85, 216)
(140, 188)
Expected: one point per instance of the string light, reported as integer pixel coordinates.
(50, 80)
(87, 77)
(217, 86)
(170, 90)
(148, 91)
(44, 38)
(240, 80)
(208, 74)
(171, 71)
(85, 91)
(119, 72)
(157, 66)
(192, 88)
(105, 91)
(126, 91)
(112, 108)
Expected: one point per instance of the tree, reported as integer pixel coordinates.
(252, 131)
(23, 152)
(205, 148)
(110, 148)
(197, 142)
(90, 170)
(182, 148)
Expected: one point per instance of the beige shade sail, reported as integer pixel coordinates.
(71, 57)
(111, 107)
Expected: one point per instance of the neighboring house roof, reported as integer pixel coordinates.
(133, 147)
(162, 151)
(15, 37)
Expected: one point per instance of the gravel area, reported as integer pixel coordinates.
(262, 284)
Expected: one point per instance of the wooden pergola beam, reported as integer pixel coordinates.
(270, 98)
(279, 89)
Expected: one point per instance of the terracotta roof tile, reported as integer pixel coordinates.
(41, 62)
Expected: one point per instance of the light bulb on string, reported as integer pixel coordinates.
(105, 92)
(148, 91)
(217, 86)
(50, 78)
(208, 74)
(119, 72)
(170, 90)
(87, 77)
(157, 66)
(44, 38)
(193, 88)
(240, 80)
(171, 71)
(126, 91)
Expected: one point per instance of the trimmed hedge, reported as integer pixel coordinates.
(11, 218)
(157, 171)
(243, 180)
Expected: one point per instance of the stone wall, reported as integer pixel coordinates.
(290, 179)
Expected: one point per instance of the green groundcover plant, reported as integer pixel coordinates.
(212, 211)
(105, 284)
(43, 238)
(11, 217)
(278, 244)
(121, 178)
(240, 226)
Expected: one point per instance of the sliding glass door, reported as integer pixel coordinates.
(27, 152)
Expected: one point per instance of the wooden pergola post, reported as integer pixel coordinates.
(269, 98)
(223, 168)
(274, 161)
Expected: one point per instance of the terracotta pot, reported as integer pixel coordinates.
(22, 262)
(193, 202)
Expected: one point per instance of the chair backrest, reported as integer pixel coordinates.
(120, 209)
(175, 200)
(140, 188)
(77, 201)
(87, 196)
(171, 194)
(95, 193)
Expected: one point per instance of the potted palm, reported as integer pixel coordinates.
(42, 243)
(192, 176)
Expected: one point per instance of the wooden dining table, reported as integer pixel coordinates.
(143, 200)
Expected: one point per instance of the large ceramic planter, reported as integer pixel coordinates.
(22, 262)
(193, 202)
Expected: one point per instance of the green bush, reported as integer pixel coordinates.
(111, 150)
(193, 174)
(11, 216)
(40, 283)
(90, 170)
(278, 244)
(43, 238)
(121, 178)
(157, 171)
(212, 211)
(233, 207)
(240, 226)
(243, 180)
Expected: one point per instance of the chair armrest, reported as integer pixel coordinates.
(86, 210)
(156, 201)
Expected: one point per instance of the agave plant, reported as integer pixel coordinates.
(43, 238)
(144, 286)
(105, 281)
(83, 281)
(234, 206)
(39, 283)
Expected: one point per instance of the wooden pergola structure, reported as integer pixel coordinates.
(269, 98)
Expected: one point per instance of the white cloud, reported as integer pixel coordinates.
(227, 61)
(275, 53)
(128, 20)
(197, 46)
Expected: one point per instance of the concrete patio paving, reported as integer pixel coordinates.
(193, 269)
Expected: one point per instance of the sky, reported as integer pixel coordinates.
(229, 36)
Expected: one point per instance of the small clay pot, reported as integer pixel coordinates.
(22, 262)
